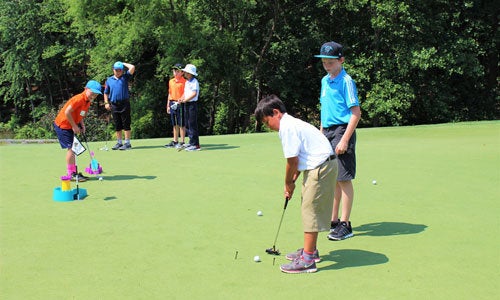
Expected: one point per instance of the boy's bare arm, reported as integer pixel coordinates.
(291, 174)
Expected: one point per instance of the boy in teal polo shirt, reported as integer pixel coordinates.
(340, 114)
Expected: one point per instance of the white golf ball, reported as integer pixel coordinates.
(374, 182)
(259, 213)
(100, 178)
(256, 258)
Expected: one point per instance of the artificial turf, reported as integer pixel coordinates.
(166, 225)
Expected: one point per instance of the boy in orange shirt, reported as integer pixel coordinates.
(69, 121)
(175, 108)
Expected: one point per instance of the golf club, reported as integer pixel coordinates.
(273, 250)
(105, 148)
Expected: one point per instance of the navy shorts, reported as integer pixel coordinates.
(65, 137)
(177, 115)
(347, 161)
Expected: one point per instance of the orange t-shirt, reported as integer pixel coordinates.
(80, 104)
(176, 88)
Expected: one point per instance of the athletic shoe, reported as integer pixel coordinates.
(81, 177)
(126, 146)
(117, 146)
(344, 231)
(172, 144)
(294, 255)
(334, 225)
(180, 145)
(299, 265)
(193, 148)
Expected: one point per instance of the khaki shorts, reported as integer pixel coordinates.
(318, 187)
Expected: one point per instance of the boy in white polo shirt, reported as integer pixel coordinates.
(307, 150)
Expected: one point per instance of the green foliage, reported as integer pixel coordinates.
(221, 119)
(387, 103)
(414, 62)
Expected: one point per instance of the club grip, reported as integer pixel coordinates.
(286, 202)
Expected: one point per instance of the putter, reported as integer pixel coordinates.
(77, 195)
(105, 148)
(273, 250)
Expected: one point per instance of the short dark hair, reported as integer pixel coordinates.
(266, 105)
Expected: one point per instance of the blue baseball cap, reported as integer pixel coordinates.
(330, 50)
(94, 86)
(118, 65)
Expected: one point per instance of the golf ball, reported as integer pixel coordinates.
(256, 258)
(100, 178)
(374, 182)
(259, 213)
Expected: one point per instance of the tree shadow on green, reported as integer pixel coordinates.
(351, 258)
(146, 147)
(206, 147)
(388, 229)
(127, 177)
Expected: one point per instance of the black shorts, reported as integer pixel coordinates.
(121, 115)
(347, 161)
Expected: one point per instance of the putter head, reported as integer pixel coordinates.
(273, 251)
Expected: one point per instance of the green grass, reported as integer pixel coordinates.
(166, 225)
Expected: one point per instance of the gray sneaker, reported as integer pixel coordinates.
(193, 148)
(126, 146)
(299, 265)
(117, 146)
(294, 255)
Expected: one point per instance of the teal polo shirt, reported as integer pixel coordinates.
(338, 95)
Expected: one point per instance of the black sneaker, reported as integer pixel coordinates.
(117, 146)
(334, 225)
(172, 144)
(81, 177)
(344, 231)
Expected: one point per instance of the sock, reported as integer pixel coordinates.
(71, 169)
(119, 141)
(127, 141)
(308, 257)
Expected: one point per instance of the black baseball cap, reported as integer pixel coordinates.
(330, 50)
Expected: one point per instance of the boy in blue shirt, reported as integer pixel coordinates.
(340, 114)
(117, 100)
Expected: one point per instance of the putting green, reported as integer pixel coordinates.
(166, 225)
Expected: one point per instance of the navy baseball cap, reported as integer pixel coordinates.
(177, 67)
(330, 50)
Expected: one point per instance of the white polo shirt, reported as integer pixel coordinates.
(299, 138)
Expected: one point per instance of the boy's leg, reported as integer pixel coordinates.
(336, 202)
(310, 241)
(347, 199)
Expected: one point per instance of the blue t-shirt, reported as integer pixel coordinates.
(117, 88)
(338, 95)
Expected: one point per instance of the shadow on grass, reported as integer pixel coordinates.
(146, 147)
(351, 258)
(128, 177)
(208, 147)
(388, 229)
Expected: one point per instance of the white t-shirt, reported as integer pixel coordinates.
(301, 139)
(192, 86)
